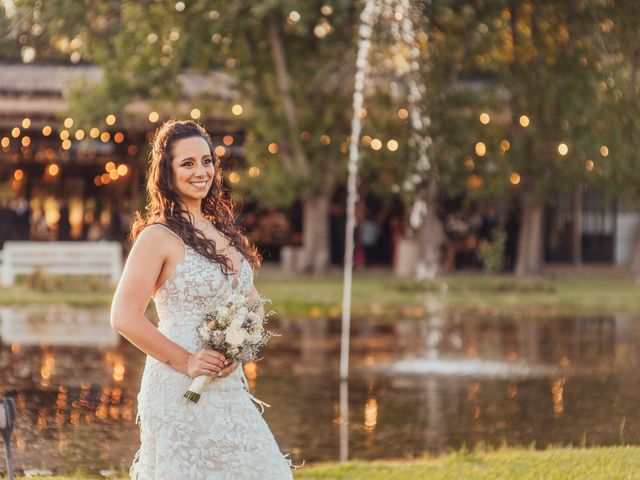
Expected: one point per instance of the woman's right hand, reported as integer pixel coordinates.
(206, 362)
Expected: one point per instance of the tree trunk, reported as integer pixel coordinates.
(314, 256)
(576, 231)
(429, 236)
(635, 260)
(529, 255)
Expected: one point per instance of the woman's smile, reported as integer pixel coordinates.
(200, 184)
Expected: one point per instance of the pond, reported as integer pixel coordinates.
(418, 385)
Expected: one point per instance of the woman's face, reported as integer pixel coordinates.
(193, 168)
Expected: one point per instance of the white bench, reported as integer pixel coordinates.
(61, 258)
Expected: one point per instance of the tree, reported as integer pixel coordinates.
(545, 58)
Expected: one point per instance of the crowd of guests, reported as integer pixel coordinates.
(18, 221)
(377, 235)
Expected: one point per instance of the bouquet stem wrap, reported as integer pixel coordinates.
(196, 388)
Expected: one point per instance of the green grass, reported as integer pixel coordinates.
(380, 293)
(613, 463)
(556, 464)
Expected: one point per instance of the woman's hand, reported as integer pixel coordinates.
(229, 369)
(209, 362)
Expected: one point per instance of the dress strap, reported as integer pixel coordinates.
(168, 229)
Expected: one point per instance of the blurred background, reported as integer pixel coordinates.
(496, 246)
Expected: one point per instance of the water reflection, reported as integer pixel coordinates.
(76, 401)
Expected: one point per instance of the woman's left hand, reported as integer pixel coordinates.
(229, 368)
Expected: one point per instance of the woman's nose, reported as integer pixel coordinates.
(200, 170)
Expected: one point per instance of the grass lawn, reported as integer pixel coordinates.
(380, 293)
(614, 463)
(556, 464)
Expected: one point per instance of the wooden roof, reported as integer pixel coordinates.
(37, 91)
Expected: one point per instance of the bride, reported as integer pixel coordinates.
(188, 249)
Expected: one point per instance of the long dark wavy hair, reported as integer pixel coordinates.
(164, 205)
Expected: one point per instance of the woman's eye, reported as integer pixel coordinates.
(187, 164)
(208, 160)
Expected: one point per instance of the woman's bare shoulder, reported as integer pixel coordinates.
(159, 238)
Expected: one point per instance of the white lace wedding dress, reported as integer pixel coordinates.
(223, 436)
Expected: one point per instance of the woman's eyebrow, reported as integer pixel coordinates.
(208, 155)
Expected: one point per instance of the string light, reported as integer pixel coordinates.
(195, 114)
(514, 178)
(68, 122)
(563, 149)
(94, 132)
(254, 172)
(366, 140)
(105, 136)
(604, 151)
(46, 130)
(18, 174)
(392, 145)
(326, 10)
(5, 142)
(109, 166)
(227, 140)
(481, 149)
(79, 134)
(118, 137)
(469, 163)
(122, 169)
(305, 136)
(66, 144)
(234, 177)
(111, 119)
(15, 132)
(154, 117)
(403, 114)
(237, 110)
(325, 139)
(376, 144)
(26, 141)
(524, 121)
(53, 169)
(294, 16)
(64, 134)
(26, 123)
(484, 118)
(220, 151)
(273, 148)
(474, 181)
(505, 145)
(589, 164)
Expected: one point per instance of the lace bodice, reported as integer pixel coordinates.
(180, 300)
(223, 436)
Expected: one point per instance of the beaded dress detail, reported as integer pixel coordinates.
(223, 436)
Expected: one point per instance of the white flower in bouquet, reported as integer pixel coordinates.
(235, 335)
(255, 337)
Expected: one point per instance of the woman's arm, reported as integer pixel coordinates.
(147, 257)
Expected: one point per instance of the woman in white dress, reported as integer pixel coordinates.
(188, 250)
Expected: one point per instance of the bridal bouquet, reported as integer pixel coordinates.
(235, 328)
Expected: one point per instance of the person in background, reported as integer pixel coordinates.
(23, 213)
(64, 225)
(8, 222)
